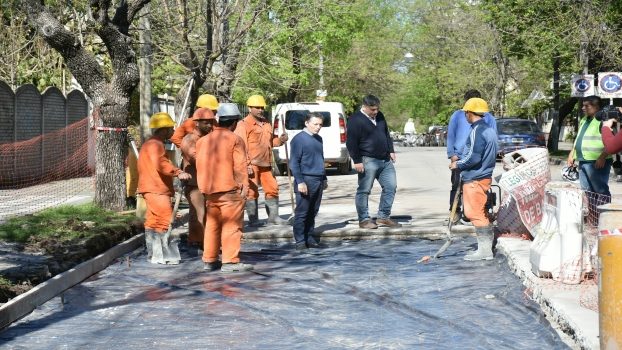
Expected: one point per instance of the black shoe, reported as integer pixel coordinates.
(315, 245)
(212, 266)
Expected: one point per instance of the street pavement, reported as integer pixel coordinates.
(421, 205)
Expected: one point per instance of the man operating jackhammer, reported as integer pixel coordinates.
(222, 175)
(204, 120)
(476, 166)
(256, 132)
(155, 183)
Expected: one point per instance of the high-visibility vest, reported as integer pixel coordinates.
(591, 144)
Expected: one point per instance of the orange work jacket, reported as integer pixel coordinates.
(221, 162)
(182, 130)
(258, 139)
(155, 170)
(189, 153)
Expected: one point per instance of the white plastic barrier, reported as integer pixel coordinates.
(559, 250)
(522, 185)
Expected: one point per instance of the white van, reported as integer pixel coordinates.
(333, 132)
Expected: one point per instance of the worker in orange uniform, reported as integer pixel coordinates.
(155, 183)
(204, 120)
(222, 175)
(204, 101)
(256, 132)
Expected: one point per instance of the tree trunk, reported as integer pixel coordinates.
(111, 151)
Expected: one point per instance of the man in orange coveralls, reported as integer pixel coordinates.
(204, 101)
(222, 175)
(256, 132)
(155, 183)
(204, 120)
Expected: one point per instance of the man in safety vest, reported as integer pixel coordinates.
(204, 101)
(155, 183)
(256, 132)
(594, 161)
(476, 165)
(222, 175)
(204, 120)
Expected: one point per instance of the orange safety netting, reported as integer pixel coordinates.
(46, 170)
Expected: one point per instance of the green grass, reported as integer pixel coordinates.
(64, 223)
(5, 283)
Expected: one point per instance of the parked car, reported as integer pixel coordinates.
(514, 134)
(333, 132)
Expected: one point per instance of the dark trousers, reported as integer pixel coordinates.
(455, 182)
(307, 207)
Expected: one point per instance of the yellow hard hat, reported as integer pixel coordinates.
(207, 101)
(161, 120)
(256, 101)
(476, 105)
(203, 114)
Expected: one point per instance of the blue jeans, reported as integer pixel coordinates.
(384, 172)
(595, 180)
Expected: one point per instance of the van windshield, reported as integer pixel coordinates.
(295, 119)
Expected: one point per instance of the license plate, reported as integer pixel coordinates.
(517, 140)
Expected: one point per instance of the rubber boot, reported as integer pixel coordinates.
(170, 249)
(484, 244)
(149, 238)
(165, 249)
(272, 208)
(157, 254)
(251, 211)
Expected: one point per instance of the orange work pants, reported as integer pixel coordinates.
(159, 211)
(223, 227)
(474, 197)
(196, 214)
(262, 176)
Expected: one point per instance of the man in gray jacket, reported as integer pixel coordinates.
(477, 165)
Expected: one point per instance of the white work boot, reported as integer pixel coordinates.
(149, 238)
(165, 249)
(484, 245)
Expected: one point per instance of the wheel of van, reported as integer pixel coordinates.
(345, 168)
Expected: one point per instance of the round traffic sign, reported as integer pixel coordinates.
(582, 85)
(610, 83)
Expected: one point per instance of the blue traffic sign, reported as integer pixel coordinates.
(610, 83)
(582, 85)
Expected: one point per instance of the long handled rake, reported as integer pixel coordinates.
(452, 219)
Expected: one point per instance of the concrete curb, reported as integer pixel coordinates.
(561, 306)
(25, 303)
(284, 233)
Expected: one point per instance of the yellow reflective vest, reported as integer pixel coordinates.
(590, 142)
